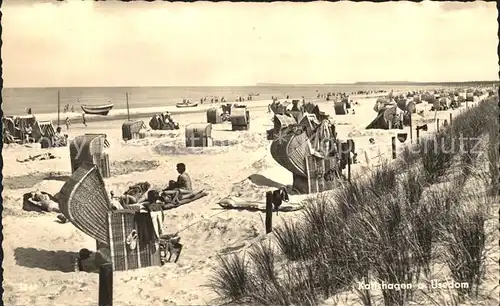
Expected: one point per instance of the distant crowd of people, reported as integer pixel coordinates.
(67, 108)
(215, 99)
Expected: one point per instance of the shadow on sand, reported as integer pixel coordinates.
(48, 260)
(261, 180)
(30, 180)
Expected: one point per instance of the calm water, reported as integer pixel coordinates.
(44, 100)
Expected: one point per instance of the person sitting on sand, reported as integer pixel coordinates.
(183, 180)
(59, 140)
(58, 132)
(28, 130)
(7, 136)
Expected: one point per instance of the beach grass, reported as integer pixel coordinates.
(395, 226)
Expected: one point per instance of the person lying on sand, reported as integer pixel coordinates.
(43, 200)
(43, 156)
(183, 182)
(134, 194)
(168, 199)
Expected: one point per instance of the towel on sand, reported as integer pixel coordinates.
(40, 201)
(246, 204)
(171, 201)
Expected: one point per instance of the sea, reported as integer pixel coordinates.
(45, 100)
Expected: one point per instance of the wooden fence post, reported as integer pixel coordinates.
(106, 285)
(411, 129)
(451, 118)
(418, 135)
(393, 144)
(269, 212)
(437, 125)
(349, 169)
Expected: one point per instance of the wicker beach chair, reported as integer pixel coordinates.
(214, 115)
(240, 119)
(309, 122)
(291, 149)
(306, 148)
(282, 121)
(89, 148)
(83, 200)
(199, 135)
(340, 108)
(131, 129)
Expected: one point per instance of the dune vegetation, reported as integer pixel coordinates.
(428, 217)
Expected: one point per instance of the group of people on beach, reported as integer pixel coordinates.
(175, 188)
(212, 100)
(215, 99)
(67, 107)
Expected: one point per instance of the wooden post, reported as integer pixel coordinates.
(437, 125)
(418, 135)
(58, 107)
(451, 118)
(269, 212)
(106, 285)
(128, 110)
(411, 129)
(393, 144)
(23, 131)
(349, 168)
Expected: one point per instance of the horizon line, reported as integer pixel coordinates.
(268, 84)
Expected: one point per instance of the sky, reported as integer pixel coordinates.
(86, 43)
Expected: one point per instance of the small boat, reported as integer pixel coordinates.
(102, 110)
(186, 104)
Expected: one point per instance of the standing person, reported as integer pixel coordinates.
(84, 120)
(67, 122)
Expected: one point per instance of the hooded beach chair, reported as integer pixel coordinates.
(84, 201)
(89, 148)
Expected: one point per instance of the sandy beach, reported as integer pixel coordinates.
(38, 251)
(378, 166)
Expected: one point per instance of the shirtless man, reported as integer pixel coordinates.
(183, 180)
